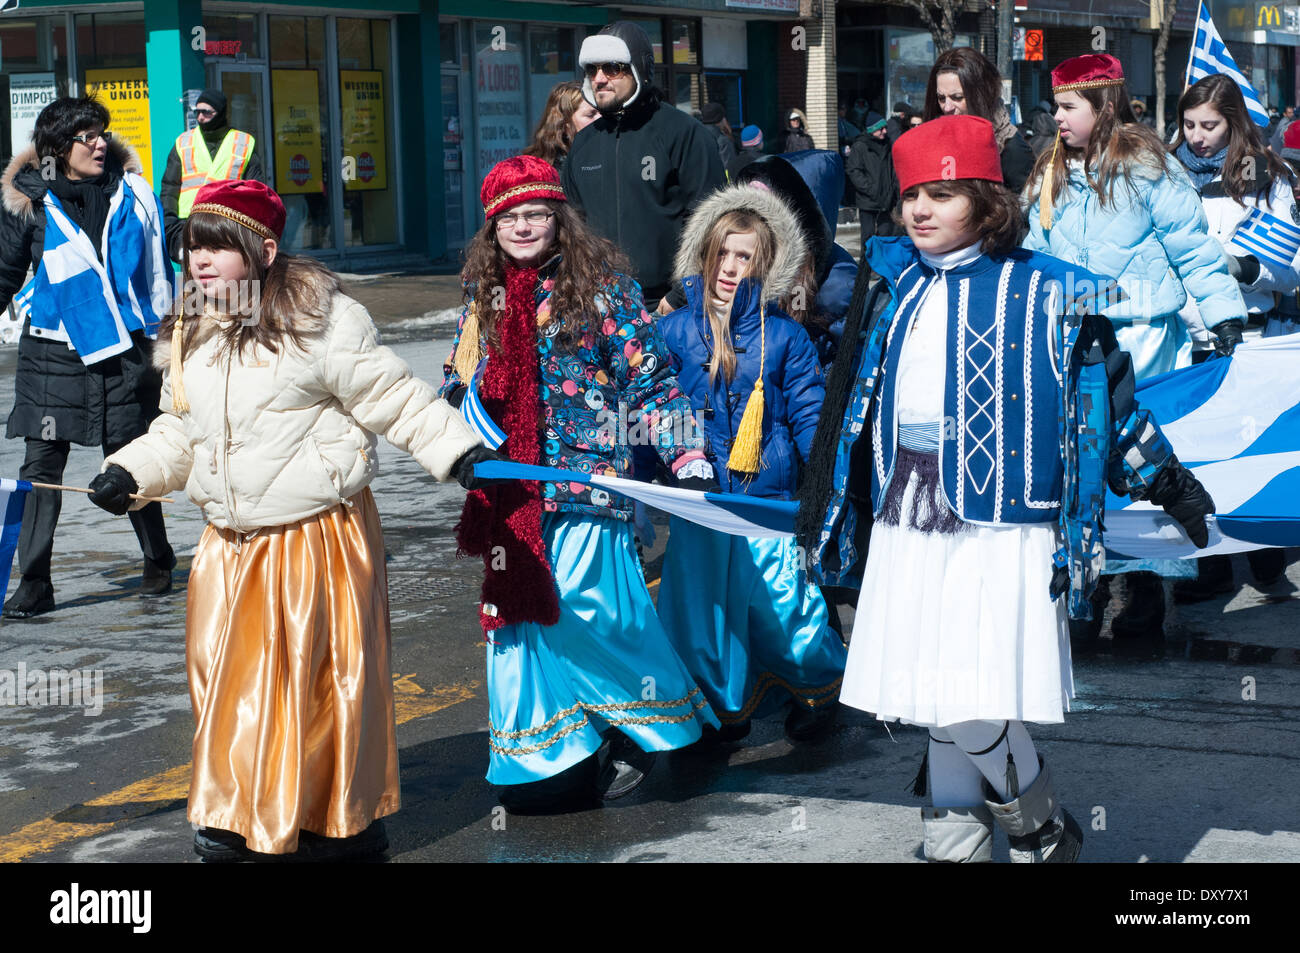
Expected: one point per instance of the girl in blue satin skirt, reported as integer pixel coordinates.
(556, 349)
(741, 612)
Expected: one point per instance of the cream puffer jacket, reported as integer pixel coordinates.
(276, 438)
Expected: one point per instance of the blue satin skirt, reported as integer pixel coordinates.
(553, 690)
(750, 625)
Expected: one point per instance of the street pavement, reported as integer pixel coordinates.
(1181, 750)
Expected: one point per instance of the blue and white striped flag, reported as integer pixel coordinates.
(7, 5)
(1210, 55)
(13, 497)
(476, 415)
(1268, 238)
(1236, 424)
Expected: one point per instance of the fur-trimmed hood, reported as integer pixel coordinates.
(791, 248)
(21, 185)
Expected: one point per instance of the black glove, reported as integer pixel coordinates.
(705, 484)
(1228, 334)
(463, 469)
(1182, 496)
(1244, 268)
(112, 490)
(456, 395)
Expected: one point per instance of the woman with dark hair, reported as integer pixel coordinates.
(555, 351)
(964, 83)
(77, 210)
(1109, 197)
(566, 114)
(1234, 172)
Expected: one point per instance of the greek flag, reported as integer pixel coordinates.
(1210, 56)
(95, 300)
(13, 497)
(7, 5)
(1268, 238)
(1236, 424)
(479, 420)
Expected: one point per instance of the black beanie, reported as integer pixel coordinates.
(214, 98)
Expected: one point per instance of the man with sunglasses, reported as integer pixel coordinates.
(637, 171)
(211, 152)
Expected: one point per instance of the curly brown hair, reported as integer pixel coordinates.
(588, 264)
(994, 212)
(552, 139)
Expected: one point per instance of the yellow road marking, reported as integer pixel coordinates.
(100, 815)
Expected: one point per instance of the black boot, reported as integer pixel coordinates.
(1143, 615)
(1084, 632)
(156, 578)
(573, 789)
(1213, 579)
(34, 596)
(807, 725)
(1267, 565)
(625, 768)
(216, 846)
(317, 848)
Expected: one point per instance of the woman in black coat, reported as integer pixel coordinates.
(964, 82)
(59, 399)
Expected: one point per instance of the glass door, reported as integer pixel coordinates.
(246, 109)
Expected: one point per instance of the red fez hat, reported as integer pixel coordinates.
(947, 147)
(1091, 71)
(517, 180)
(248, 202)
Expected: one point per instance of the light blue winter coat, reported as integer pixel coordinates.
(1153, 238)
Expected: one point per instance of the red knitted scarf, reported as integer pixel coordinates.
(503, 523)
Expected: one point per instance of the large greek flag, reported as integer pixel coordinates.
(1268, 238)
(13, 497)
(1209, 56)
(1236, 423)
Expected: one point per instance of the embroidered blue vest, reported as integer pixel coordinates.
(1000, 446)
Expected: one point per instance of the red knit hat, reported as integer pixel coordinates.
(1090, 71)
(248, 202)
(517, 180)
(947, 147)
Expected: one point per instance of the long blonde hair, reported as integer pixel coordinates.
(731, 223)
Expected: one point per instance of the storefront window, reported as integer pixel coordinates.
(686, 44)
(550, 61)
(654, 29)
(35, 52)
(300, 118)
(365, 94)
(111, 63)
(233, 35)
(454, 157)
(911, 54)
(501, 126)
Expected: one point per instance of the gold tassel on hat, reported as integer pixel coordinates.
(179, 404)
(746, 448)
(469, 351)
(1045, 194)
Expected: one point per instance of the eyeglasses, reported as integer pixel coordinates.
(535, 218)
(612, 70)
(89, 139)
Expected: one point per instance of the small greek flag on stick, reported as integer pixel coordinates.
(13, 497)
(479, 420)
(1268, 238)
(1210, 56)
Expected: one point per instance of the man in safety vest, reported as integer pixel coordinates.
(211, 152)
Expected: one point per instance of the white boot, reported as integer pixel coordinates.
(1039, 829)
(957, 835)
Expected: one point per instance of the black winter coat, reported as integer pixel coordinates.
(636, 175)
(870, 168)
(56, 396)
(1017, 163)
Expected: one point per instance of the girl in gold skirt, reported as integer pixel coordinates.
(287, 627)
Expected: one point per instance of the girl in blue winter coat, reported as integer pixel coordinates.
(1109, 197)
(740, 611)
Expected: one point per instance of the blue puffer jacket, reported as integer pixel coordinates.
(793, 386)
(1154, 240)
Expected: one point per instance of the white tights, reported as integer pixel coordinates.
(964, 754)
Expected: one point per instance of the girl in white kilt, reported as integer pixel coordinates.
(985, 519)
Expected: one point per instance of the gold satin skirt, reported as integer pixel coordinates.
(287, 647)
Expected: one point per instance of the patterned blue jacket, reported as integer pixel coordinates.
(1038, 405)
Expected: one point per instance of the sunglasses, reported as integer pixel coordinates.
(612, 70)
(89, 139)
(204, 111)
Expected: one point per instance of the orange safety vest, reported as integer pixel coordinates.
(198, 168)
